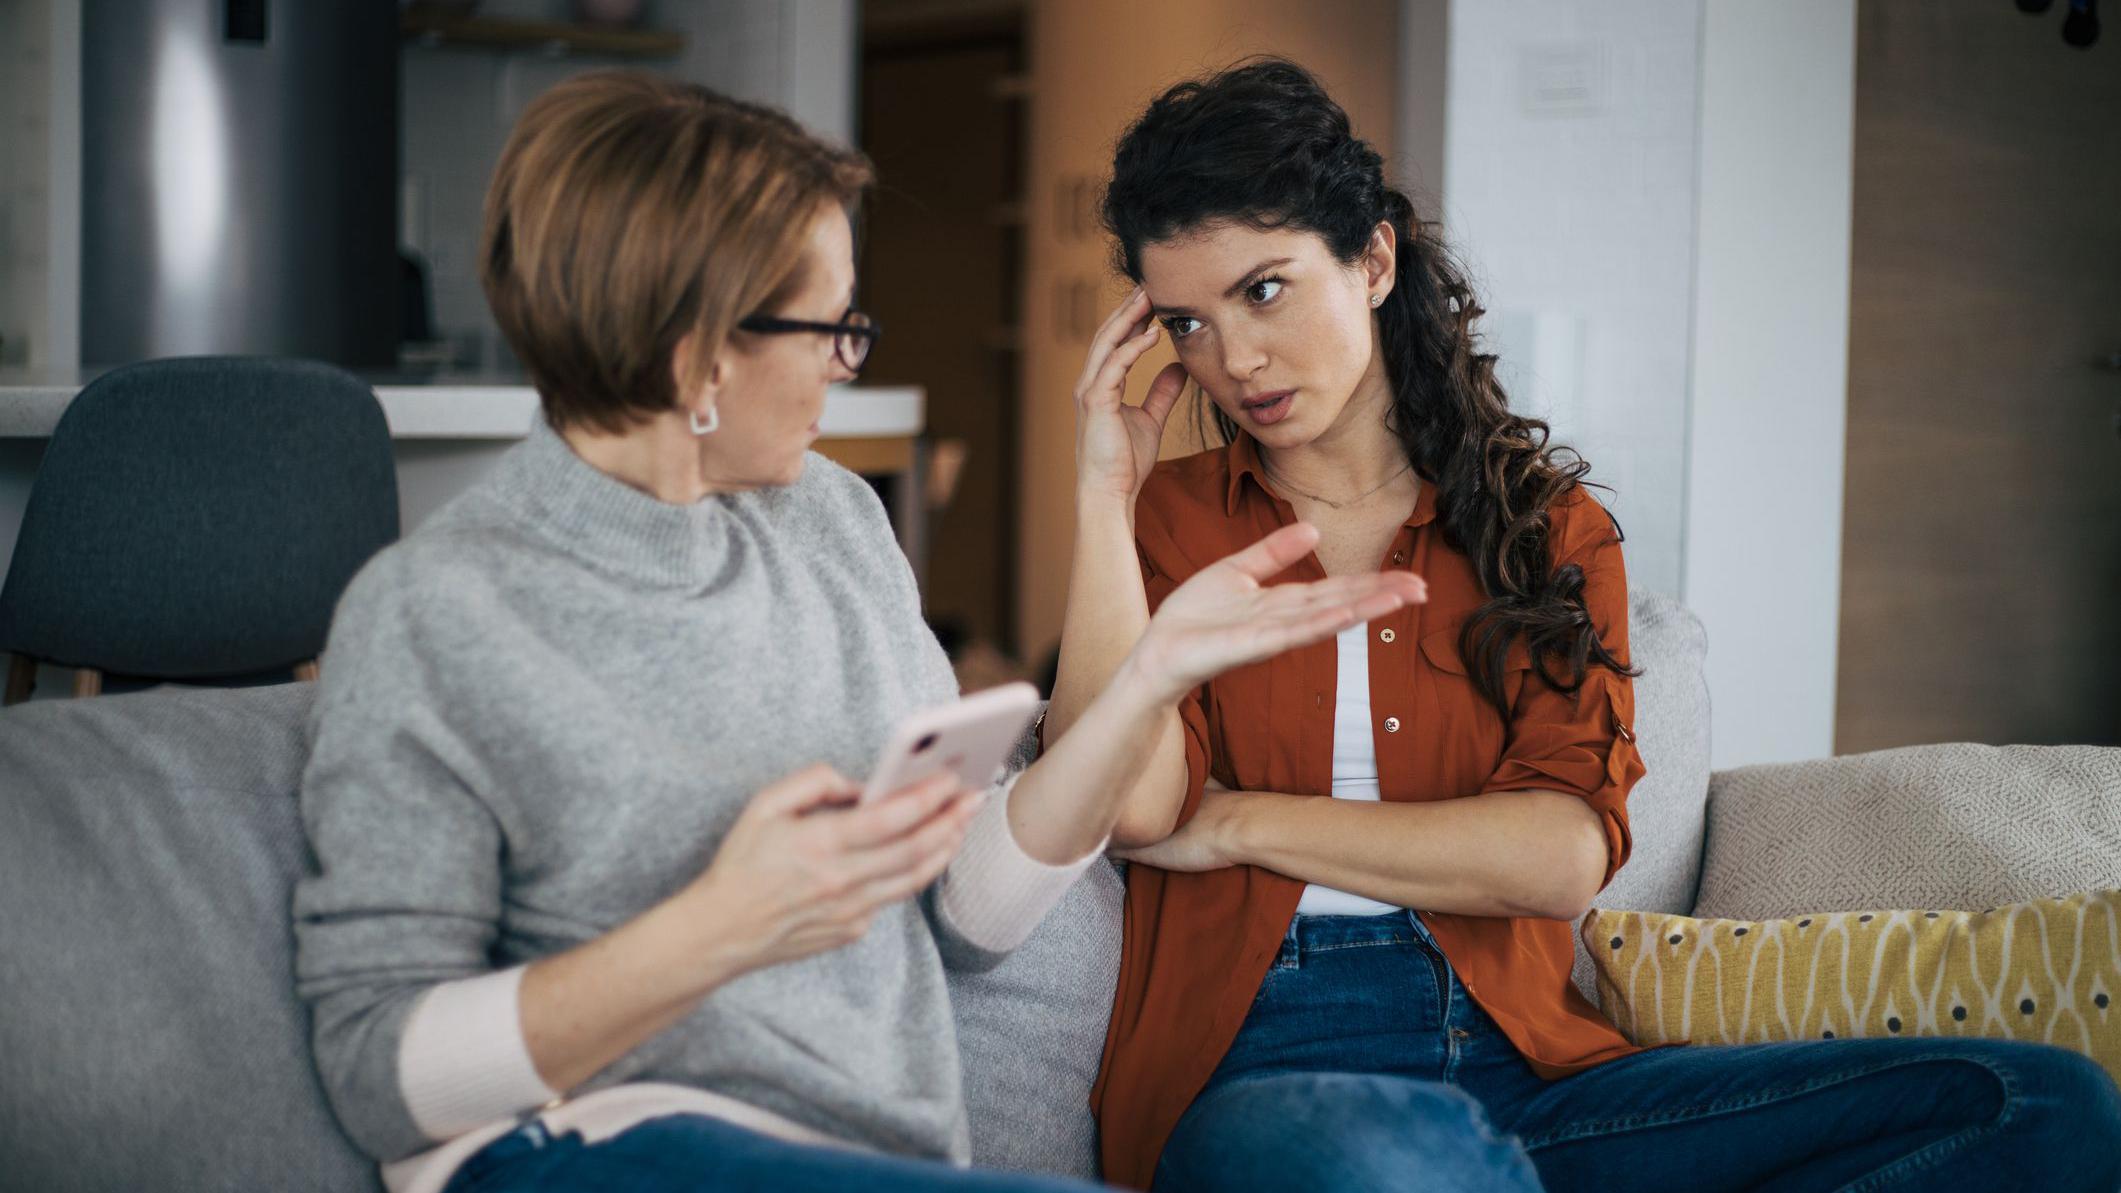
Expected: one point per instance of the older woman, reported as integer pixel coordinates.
(592, 904)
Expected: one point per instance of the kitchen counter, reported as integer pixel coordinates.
(467, 406)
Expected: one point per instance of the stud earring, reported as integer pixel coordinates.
(1377, 300)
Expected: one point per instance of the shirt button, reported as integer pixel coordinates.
(1399, 557)
(1386, 635)
(1391, 724)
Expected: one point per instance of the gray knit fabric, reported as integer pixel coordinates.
(151, 1038)
(1032, 1030)
(539, 715)
(1957, 826)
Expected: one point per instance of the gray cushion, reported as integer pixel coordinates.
(1665, 810)
(1956, 826)
(1033, 1029)
(152, 1039)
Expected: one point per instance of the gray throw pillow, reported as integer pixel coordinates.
(152, 1039)
(1939, 827)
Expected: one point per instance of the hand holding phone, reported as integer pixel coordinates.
(971, 739)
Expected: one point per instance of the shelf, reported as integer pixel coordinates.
(433, 27)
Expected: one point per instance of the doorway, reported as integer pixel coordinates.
(942, 118)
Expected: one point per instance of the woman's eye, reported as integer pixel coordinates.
(1263, 290)
(1180, 326)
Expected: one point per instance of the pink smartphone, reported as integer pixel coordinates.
(971, 738)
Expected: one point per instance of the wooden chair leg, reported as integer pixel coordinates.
(21, 678)
(307, 672)
(87, 682)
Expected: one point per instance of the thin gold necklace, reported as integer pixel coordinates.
(1325, 501)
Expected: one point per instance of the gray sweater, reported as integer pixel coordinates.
(539, 715)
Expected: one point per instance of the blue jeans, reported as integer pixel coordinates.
(1363, 1065)
(692, 1152)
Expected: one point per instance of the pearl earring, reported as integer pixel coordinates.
(1377, 300)
(714, 419)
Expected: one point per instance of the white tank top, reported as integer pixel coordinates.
(1354, 764)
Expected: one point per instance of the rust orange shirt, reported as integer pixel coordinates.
(1198, 945)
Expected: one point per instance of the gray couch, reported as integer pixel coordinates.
(148, 841)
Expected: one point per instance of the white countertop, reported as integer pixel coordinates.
(450, 407)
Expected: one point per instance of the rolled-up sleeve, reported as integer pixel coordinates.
(1583, 742)
(1192, 708)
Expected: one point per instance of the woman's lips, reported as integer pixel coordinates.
(1268, 409)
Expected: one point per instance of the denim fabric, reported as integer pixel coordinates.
(1364, 1065)
(692, 1152)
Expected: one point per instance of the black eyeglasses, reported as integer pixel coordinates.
(852, 337)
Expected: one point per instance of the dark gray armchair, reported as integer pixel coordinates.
(196, 519)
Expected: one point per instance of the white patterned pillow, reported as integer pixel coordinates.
(1944, 826)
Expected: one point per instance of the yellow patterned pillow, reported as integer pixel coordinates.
(2048, 970)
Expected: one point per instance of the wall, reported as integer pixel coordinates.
(1982, 554)
(1423, 98)
(40, 218)
(1569, 158)
(1088, 80)
(1770, 361)
(40, 191)
(459, 104)
(1653, 196)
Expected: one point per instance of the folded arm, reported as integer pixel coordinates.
(1503, 853)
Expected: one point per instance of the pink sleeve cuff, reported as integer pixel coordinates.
(462, 1060)
(994, 893)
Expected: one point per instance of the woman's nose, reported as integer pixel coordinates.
(1242, 362)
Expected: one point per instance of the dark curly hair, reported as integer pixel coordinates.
(1263, 144)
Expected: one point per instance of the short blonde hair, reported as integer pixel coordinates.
(629, 210)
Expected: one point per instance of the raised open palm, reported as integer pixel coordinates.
(1227, 616)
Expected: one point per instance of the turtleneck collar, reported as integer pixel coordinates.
(601, 519)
